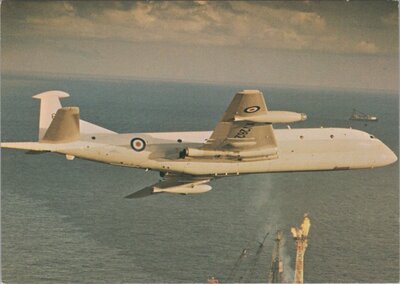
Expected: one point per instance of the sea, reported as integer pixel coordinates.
(68, 221)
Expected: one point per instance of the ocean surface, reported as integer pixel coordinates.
(68, 222)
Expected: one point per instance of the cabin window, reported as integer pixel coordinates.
(179, 140)
(94, 137)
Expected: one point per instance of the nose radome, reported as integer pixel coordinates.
(387, 156)
(393, 158)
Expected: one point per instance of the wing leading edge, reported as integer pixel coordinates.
(231, 134)
(245, 131)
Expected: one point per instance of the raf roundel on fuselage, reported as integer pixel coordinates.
(138, 144)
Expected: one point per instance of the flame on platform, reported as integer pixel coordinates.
(294, 232)
(304, 228)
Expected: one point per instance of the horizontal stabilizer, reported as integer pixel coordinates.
(40, 147)
(30, 146)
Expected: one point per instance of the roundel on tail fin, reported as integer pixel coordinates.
(252, 109)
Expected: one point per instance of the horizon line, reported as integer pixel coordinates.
(101, 77)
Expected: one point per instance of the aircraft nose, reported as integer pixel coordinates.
(386, 156)
(392, 158)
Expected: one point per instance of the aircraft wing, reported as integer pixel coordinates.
(178, 184)
(239, 128)
(245, 131)
(242, 133)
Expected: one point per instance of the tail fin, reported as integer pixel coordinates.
(49, 104)
(64, 127)
(57, 125)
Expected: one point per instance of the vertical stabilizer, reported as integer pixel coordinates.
(64, 127)
(49, 104)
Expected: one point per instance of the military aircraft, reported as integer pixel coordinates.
(243, 142)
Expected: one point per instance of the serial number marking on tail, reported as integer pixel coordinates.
(244, 131)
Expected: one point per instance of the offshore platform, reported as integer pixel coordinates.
(276, 271)
(300, 236)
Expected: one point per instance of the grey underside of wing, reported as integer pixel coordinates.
(176, 180)
(236, 135)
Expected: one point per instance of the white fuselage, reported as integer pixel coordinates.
(298, 150)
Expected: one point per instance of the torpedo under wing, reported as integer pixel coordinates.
(243, 142)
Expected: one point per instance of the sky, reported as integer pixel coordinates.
(333, 44)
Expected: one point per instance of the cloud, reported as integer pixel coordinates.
(367, 47)
(306, 19)
(205, 23)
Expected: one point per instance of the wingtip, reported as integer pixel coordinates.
(145, 192)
